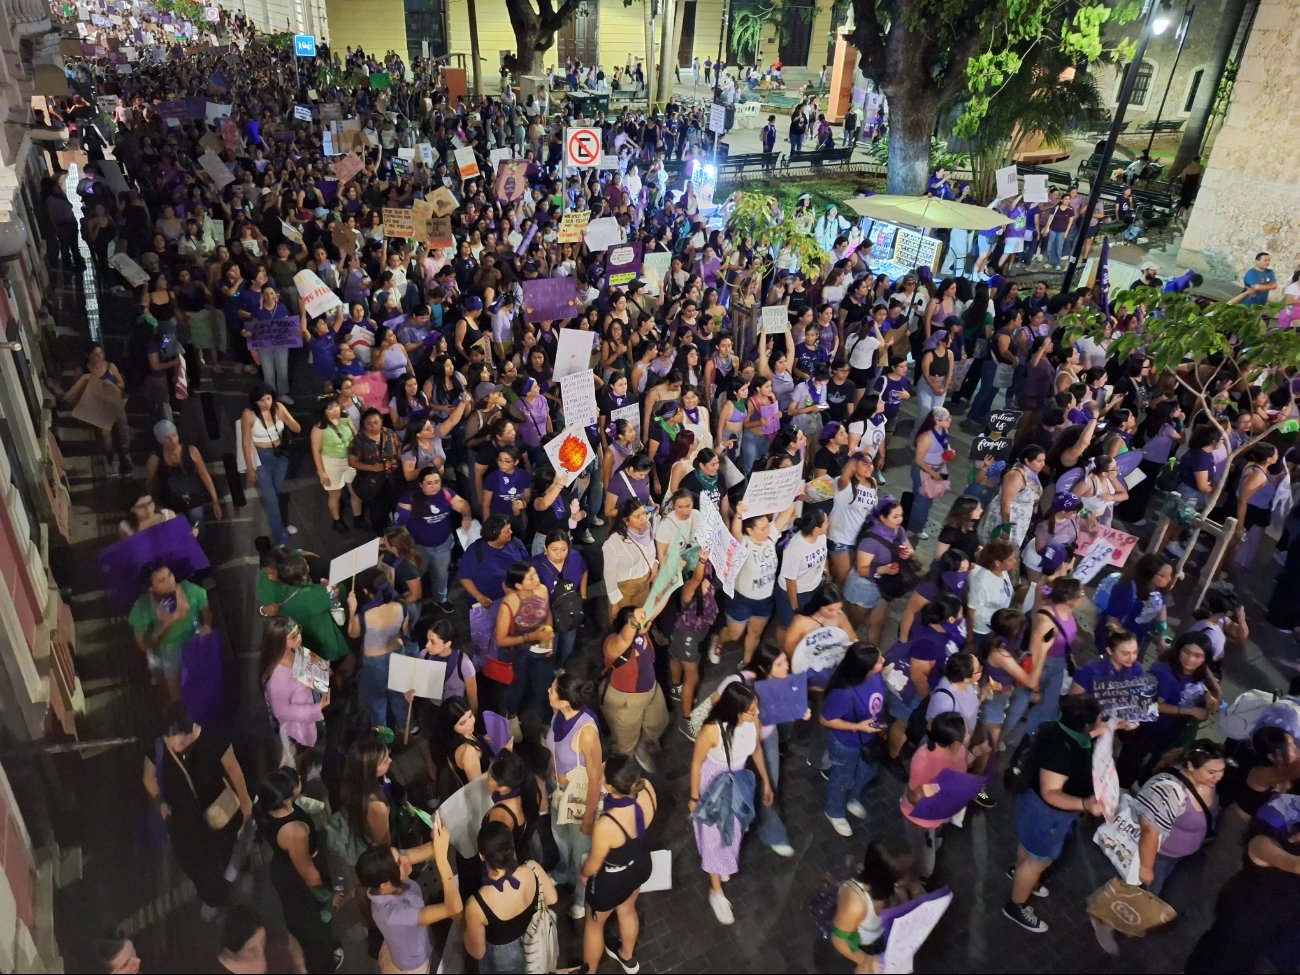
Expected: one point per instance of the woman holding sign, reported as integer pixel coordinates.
(274, 359)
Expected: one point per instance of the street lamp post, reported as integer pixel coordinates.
(1183, 28)
(1155, 23)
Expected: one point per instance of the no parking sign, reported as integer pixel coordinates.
(582, 147)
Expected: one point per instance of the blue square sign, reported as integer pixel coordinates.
(304, 45)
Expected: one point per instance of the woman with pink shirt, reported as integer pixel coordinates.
(297, 708)
(945, 750)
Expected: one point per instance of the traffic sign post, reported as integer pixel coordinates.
(304, 45)
(582, 148)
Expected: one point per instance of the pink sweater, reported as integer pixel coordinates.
(293, 705)
(926, 766)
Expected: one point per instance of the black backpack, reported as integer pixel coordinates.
(1023, 767)
(917, 725)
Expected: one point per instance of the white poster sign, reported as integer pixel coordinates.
(1008, 184)
(578, 397)
(572, 352)
(603, 233)
(569, 452)
(346, 566)
(771, 491)
(135, 275)
(316, 297)
(774, 320)
(1035, 188)
(425, 677)
(216, 169)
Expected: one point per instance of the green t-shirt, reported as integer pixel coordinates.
(309, 607)
(144, 619)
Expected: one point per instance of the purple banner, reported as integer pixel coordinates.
(623, 263)
(177, 108)
(956, 789)
(172, 542)
(276, 333)
(497, 731)
(329, 190)
(782, 699)
(550, 299)
(203, 686)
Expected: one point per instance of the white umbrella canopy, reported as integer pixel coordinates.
(927, 212)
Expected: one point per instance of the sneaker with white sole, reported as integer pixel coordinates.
(782, 849)
(577, 911)
(721, 907)
(1024, 915)
(856, 809)
(923, 535)
(714, 651)
(840, 826)
(630, 966)
(1039, 891)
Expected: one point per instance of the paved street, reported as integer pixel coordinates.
(129, 881)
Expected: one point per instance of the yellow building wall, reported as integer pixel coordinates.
(708, 27)
(375, 26)
(622, 30)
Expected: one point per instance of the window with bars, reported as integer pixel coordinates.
(1193, 88)
(1142, 86)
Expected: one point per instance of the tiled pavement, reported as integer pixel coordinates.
(128, 881)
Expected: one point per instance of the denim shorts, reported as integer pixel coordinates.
(994, 710)
(861, 591)
(899, 709)
(684, 647)
(1042, 829)
(840, 548)
(741, 609)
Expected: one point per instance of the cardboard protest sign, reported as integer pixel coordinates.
(578, 397)
(569, 452)
(623, 263)
(440, 232)
(348, 167)
(216, 169)
(444, 202)
(315, 296)
(773, 320)
(276, 333)
(399, 222)
(343, 237)
(135, 275)
(1091, 531)
(572, 226)
(771, 491)
(511, 182)
(467, 163)
(550, 300)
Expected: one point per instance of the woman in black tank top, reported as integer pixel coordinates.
(500, 911)
(619, 862)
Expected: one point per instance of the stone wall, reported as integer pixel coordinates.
(1250, 197)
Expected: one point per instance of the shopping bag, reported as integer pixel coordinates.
(1119, 840)
(1131, 911)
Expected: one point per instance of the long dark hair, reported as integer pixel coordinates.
(275, 638)
(361, 779)
(732, 703)
(859, 661)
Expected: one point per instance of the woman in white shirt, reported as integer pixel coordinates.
(803, 567)
(629, 554)
(990, 587)
(750, 609)
(680, 519)
(855, 499)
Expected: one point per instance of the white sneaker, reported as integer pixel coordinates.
(856, 809)
(714, 651)
(721, 907)
(782, 850)
(841, 826)
(291, 529)
(577, 911)
(923, 535)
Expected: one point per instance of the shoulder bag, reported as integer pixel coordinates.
(222, 810)
(542, 938)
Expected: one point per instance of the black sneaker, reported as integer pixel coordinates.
(1024, 915)
(984, 800)
(630, 966)
(1039, 891)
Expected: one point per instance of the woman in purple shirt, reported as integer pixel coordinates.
(430, 513)
(507, 490)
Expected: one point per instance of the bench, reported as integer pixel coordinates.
(1162, 125)
(740, 162)
(1057, 177)
(840, 157)
(1155, 207)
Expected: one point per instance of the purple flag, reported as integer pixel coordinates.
(956, 789)
(497, 729)
(219, 82)
(1103, 277)
(550, 299)
(172, 542)
(203, 687)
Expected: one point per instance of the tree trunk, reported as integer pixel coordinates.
(912, 116)
(648, 11)
(1194, 132)
(471, 12)
(667, 65)
(679, 19)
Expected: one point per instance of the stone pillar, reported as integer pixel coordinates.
(1250, 198)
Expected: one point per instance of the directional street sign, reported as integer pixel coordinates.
(582, 147)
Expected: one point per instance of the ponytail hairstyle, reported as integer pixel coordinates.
(276, 789)
(574, 690)
(809, 521)
(624, 775)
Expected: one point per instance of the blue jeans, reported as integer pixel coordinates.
(1055, 245)
(850, 776)
(921, 505)
(1162, 868)
(753, 448)
(533, 677)
(270, 485)
(771, 831)
(565, 644)
(437, 561)
(374, 696)
(982, 403)
(1049, 706)
(275, 370)
(926, 400)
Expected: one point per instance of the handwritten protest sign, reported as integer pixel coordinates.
(1127, 699)
(622, 263)
(907, 927)
(444, 202)
(315, 296)
(302, 113)
(1004, 420)
(216, 169)
(276, 333)
(654, 268)
(425, 152)
(440, 232)
(1008, 184)
(578, 397)
(572, 352)
(504, 154)
(1091, 531)
(667, 579)
(999, 448)
(1105, 779)
(771, 491)
(572, 226)
(348, 167)
(399, 222)
(602, 234)
(1098, 558)
(216, 110)
(726, 554)
(550, 300)
(773, 320)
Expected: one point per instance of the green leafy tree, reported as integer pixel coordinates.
(776, 234)
(926, 54)
(1206, 349)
